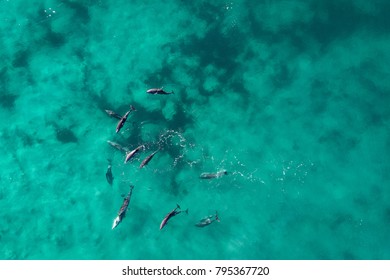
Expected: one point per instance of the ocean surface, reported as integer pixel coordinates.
(291, 98)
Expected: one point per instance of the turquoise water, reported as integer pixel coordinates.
(290, 97)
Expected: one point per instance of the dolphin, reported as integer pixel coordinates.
(170, 215)
(158, 91)
(213, 175)
(124, 118)
(122, 122)
(130, 154)
(207, 220)
(147, 159)
(123, 209)
(113, 114)
(109, 176)
(118, 146)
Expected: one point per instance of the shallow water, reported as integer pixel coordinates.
(290, 97)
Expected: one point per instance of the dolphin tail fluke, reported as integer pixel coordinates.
(186, 211)
(216, 216)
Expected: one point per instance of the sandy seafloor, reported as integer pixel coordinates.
(290, 97)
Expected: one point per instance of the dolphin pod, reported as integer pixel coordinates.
(130, 154)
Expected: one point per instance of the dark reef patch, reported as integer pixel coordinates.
(66, 135)
(180, 119)
(21, 59)
(27, 139)
(282, 76)
(343, 20)
(81, 12)
(213, 48)
(7, 100)
(55, 39)
(332, 20)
